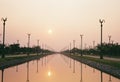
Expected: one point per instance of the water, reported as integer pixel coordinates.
(54, 68)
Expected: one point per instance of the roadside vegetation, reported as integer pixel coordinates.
(107, 49)
(15, 49)
(104, 61)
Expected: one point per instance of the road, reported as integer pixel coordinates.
(17, 55)
(107, 58)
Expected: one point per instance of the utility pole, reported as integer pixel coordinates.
(81, 44)
(101, 22)
(28, 44)
(4, 21)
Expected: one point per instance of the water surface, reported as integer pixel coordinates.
(54, 68)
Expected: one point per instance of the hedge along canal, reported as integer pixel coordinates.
(12, 61)
(99, 64)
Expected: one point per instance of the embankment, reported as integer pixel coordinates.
(100, 66)
(9, 62)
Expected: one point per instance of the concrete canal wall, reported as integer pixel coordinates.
(100, 66)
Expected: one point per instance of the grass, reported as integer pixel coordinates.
(103, 61)
(14, 58)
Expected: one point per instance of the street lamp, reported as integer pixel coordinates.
(73, 46)
(28, 44)
(93, 44)
(0, 40)
(70, 48)
(4, 21)
(81, 43)
(109, 38)
(37, 47)
(17, 41)
(73, 43)
(101, 22)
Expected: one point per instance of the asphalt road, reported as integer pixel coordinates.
(107, 58)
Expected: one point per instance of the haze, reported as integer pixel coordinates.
(66, 19)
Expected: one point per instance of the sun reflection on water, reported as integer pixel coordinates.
(49, 73)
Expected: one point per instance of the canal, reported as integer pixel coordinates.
(54, 68)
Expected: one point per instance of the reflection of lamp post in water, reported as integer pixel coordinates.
(93, 70)
(101, 22)
(73, 65)
(2, 76)
(70, 62)
(70, 54)
(17, 68)
(4, 21)
(101, 77)
(45, 60)
(110, 80)
(27, 72)
(42, 61)
(37, 65)
(81, 73)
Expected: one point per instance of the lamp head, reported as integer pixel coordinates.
(4, 19)
(101, 21)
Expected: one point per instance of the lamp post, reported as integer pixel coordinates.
(37, 47)
(73, 43)
(73, 46)
(81, 43)
(28, 44)
(4, 21)
(70, 49)
(0, 40)
(42, 48)
(109, 38)
(93, 44)
(17, 41)
(101, 22)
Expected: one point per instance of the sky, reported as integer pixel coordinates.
(57, 23)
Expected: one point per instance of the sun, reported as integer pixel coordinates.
(50, 31)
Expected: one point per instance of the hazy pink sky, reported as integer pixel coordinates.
(66, 18)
